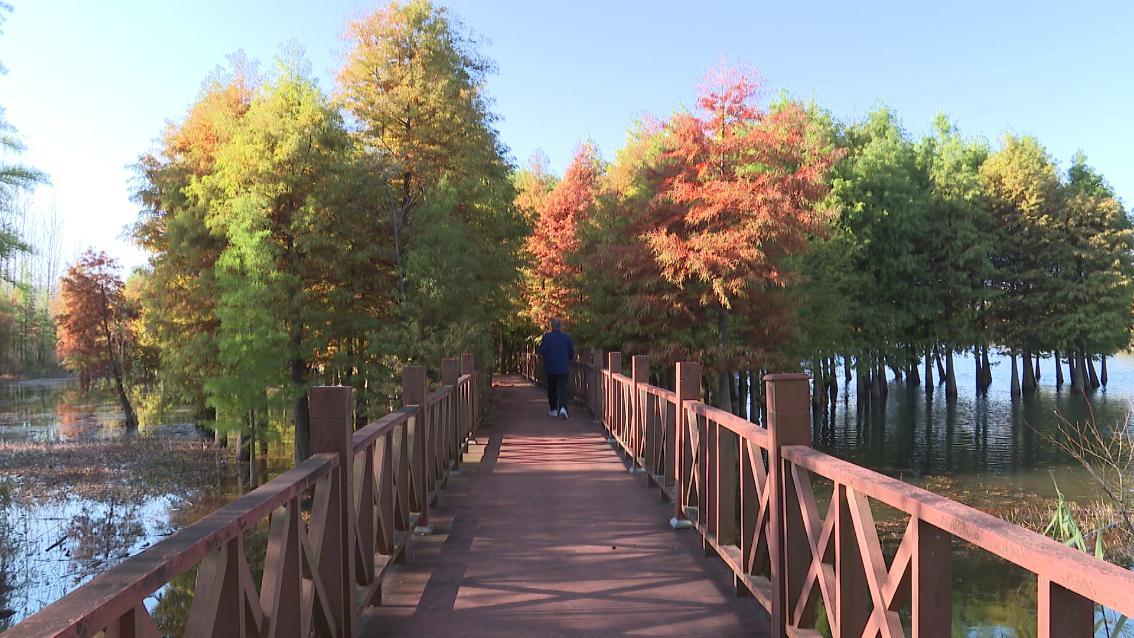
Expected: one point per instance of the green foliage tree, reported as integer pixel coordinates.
(1022, 185)
(275, 197)
(958, 246)
(414, 82)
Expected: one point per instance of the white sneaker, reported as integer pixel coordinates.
(563, 412)
(552, 413)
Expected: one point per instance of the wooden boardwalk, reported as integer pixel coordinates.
(545, 533)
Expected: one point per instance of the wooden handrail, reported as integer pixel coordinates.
(711, 464)
(367, 434)
(1078, 571)
(336, 522)
(116, 592)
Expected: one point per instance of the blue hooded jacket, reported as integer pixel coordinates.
(558, 352)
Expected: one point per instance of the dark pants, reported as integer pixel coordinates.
(557, 391)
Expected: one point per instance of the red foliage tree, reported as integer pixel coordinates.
(738, 193)
(553, 288)
(94, 325)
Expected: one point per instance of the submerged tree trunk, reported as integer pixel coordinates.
(978, 370)
(724, 393)
(1028, 384)
(1015, 376)
(1091, 374)
(1037, 368)
(755, 383)
(1102, 363)
(1074, 371)
(880, 381)
(862, 376)
(833, 378)
(940, 367)
(928, 371)
(741, 392)
(914, 376)
(950, 376)
(987, 365)
(1058, 369)
(846, 369)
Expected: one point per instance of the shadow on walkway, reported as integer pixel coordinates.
(548, 535)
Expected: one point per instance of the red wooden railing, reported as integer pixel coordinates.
(749, 492)
(334, 522)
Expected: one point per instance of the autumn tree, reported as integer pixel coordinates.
(179, 299)
(286, 197)
(94, 324)
(553, 285)
(738, 198)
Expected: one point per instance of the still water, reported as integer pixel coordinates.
(77, 496)
(991, 452)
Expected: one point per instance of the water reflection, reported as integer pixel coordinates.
(48, 410)
(989, 451)
(988, 440)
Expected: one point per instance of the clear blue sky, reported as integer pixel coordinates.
(91, 84)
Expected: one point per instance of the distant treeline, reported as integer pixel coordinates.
(772, 238)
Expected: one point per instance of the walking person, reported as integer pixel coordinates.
(558, 351)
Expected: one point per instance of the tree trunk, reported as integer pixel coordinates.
(1038, 375)
(1075, 372)
(755, 383)
(833, 377)
(1092, 375)
(862, 376)
(928, 371)
(1058, 369)
(1015, 376)
(846, 369)
(1028, 384)
(878, 387)
(243, 453)
(940, 367)
(724, 394)
(253, 475)
(742, 392)
(978, 371)
(1103, 375)
(950, 376)
(987, 365)
(220, 440)
(896, 369)
(914, 376)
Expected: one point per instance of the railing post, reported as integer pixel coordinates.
(597, 377)
(468, 366)
(413, 393)
(332, 423)
(610, 416)
(450, 421)
(640, 372)
(789, 423)
(688, 388)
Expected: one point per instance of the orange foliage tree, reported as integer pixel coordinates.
(553, 282)
(738, 194)
(94, 325)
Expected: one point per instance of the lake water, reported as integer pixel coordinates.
(992, 452)
(55, 537)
